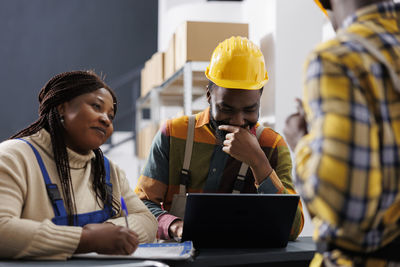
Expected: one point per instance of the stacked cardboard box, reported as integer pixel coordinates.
(144, 139)
(192, 41)
(152, 74)
(144, 79)
(169, 59)
(195, 41)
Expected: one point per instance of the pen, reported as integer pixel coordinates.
(125, 211)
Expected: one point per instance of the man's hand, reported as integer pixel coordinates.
(107, 238)
(176, 229)
(296, 126)
(241, 144)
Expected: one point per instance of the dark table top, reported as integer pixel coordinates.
(297, 253)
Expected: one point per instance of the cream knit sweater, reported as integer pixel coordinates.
(26, 229)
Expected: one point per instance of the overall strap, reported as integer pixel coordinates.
(107, 169)
(98, 216)
(370, 47)
(239, 182)
(108, 183)
(52, 189)
(185, 172)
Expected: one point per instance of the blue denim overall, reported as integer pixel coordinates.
(60, 215)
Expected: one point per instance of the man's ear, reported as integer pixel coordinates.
(208, 95)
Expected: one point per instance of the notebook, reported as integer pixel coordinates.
(239, 220)
(155, 251)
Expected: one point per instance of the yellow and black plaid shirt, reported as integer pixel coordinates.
(348, 166)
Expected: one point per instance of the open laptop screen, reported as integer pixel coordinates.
(239, 220)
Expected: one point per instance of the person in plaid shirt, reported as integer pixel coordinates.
(347, 137)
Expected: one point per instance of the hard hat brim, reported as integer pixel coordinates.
(321, 7)
(235, 84)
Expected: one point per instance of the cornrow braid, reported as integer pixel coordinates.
(60, 89)
(100, 185)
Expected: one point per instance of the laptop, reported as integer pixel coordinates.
(238, 220)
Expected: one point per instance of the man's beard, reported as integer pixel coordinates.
(220, 134)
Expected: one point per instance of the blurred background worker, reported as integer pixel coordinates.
(226, 156)
(348, 162)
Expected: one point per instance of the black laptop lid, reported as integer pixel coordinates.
(239, 220)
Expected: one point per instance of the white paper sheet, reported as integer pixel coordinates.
(156, 251)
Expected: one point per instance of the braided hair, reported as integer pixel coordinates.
(60, 89)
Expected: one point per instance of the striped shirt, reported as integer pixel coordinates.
(212, 170)
(348, 165)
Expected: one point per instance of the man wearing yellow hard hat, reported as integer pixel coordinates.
(347, 137)
(222, 149)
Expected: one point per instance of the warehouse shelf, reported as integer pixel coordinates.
(181, 89)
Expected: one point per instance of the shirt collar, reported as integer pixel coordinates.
(383, 9)
(203, 118)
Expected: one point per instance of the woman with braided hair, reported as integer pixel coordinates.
(58, 194)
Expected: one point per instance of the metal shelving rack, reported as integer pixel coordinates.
(181, 89)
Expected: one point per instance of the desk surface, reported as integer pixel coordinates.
(297, 253)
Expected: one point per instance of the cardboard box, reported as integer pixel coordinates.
(152, 74)
(143, 82)
(169, 59)
(157, 69)
(145, 85)
(144, 140)
(195, 41)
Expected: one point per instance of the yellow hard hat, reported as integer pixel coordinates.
(321, 6)
(237, 63)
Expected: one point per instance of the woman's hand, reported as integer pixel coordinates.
(107, 238)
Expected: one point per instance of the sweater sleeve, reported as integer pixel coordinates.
(26, 238)
(140, 218)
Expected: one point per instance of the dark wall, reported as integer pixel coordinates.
(41, 38)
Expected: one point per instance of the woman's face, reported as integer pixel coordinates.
(88, 120)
